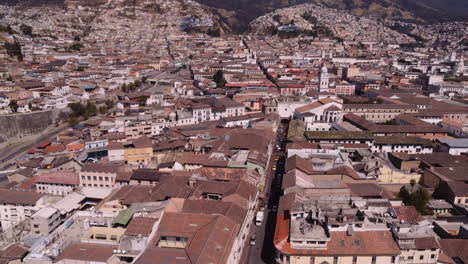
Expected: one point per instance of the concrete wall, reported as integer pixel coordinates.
(18, 126)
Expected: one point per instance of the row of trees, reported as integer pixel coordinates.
(81, 111)
(133, 86)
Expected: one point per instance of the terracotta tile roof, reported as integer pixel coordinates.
(458, 188)
(113, 145)
(369, 190)
(58, 177)
(140, 226)
(303, 145)
(444, 259)
(100, 167)
(451, 174)
(14, 251)
(43, 144)
(455, 249)
(210, 207)
(19, 197)
(210, 237)
(296, 162)
(142, 142)
(157, 255)
(87, 252)
(54, 148)
(408, 213)
(249, 139)
(345, 170)
(147, 175)
(426, 243)
(75, 147)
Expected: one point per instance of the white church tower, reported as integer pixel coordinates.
(323, 79)
(453, 55)
(460, 68)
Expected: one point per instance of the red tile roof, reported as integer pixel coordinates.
(43, 144)
(75, 147)
(58, 177)
(55, 148)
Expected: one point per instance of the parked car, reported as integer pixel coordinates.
(259, 218)
(252, 240)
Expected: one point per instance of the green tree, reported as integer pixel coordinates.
(27, 30)
(131, 86)
(91, 109)
(102, 109)
(144, 79)
(73, 120)
(124, 88)
(14, 106)
(419, 198)
(137, 83)
(218, 78)
(14, 50)
(76, 46)
(109, 104)
(77, 109)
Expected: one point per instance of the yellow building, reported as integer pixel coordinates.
(139, 151)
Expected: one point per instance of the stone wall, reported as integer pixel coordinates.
(19, 126)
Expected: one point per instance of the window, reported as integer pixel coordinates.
(433, 256)
(94, 178)
(36, 226)
(421, 257)
(106, 178)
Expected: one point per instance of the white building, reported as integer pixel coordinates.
(454, 146)
(45, 220)
(324, 80)
(16, 206)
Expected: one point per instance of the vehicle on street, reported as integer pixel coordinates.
(262, 205)
(274, 208)
(259, 218)
(252, 240)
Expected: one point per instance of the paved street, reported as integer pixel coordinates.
(10, 153)
(263, 251)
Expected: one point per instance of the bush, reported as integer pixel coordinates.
(218, 78)
(14, 50)
(27, 30)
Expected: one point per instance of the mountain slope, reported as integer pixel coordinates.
(409, 10)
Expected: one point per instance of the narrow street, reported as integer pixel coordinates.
(264, 251)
